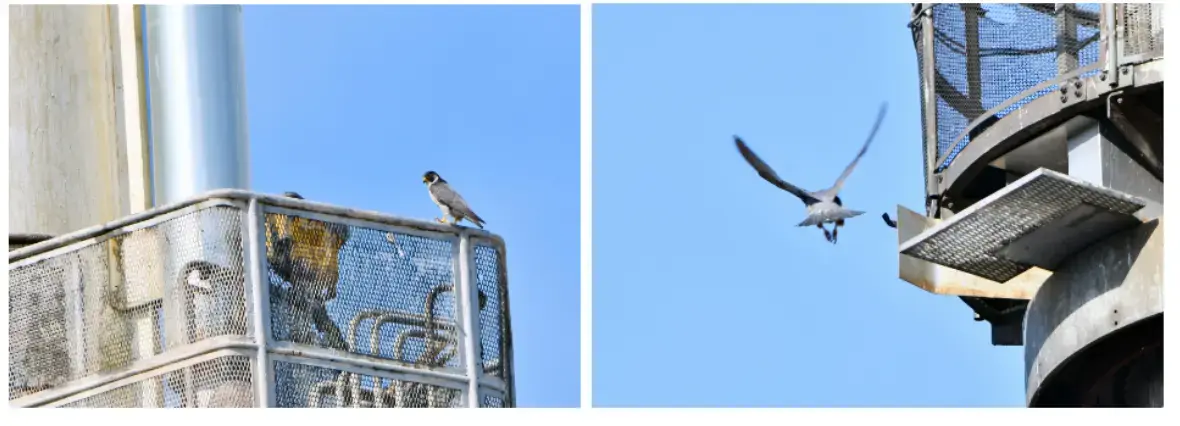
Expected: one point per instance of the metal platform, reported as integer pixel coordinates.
(938, 279)
(202, 304)
(1038, 220)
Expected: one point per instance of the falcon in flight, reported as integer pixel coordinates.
(823, 206)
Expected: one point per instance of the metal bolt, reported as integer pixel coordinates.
(1077, 84)
(1064, 89)
(1119, 100)
(1077, 93)
(1103, 76)
(1125, 70)
(1064, 98)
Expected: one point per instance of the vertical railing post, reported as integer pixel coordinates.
(1110, 41)
(261, 303)
(468, 299)
(931, 105)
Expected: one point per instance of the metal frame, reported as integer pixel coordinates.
(506, 356)
(259, 342)
(259, 286)
(1119, 11)
(1112, 71)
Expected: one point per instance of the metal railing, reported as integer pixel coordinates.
(980, 63)
(202, 304)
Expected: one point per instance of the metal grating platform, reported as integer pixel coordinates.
(1036, 221)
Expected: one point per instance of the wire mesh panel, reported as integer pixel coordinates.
(985, 54)
(225, 382)
(300, 386)
(363, 290)
(489, 401)
(491, 316)
(1142, 30)
(99, 306)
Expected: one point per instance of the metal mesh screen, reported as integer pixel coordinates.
(491, 316)
(985, 54)
(103, 305)
(299, 385)
(489, 401)
(387, 295)
(1143, 30)
(225, 382)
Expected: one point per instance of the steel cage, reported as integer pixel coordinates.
(178, 342)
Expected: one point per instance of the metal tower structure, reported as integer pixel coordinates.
(154, 278)
(1043, 147)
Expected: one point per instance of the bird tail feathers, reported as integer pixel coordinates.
(830, 216)
(478, 221)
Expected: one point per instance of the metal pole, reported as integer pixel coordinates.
(1110, 42)
(469, 306)
(196, 88)
(260, 303)
(930, 107)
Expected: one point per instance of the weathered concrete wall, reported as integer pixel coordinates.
(63, 147)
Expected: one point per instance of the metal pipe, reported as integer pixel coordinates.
(930, 104)
(197, 109)
(261, 306)
(468, 302)
(1110, 42)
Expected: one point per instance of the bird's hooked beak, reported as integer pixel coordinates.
(425, 179)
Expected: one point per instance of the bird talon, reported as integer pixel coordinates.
(442, 220)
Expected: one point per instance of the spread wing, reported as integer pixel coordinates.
(767, 173)
(835, 189)
(452, 199)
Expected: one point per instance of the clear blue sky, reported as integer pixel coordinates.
(350, 105)
(705, 292)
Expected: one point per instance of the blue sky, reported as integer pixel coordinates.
(351, 105)
(705, 292)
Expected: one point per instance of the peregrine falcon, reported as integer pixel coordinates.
(449, 201)
(823, 206)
